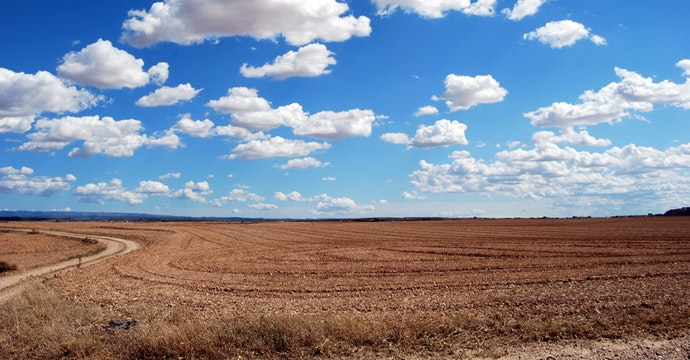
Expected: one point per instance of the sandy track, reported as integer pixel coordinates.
(113, 246)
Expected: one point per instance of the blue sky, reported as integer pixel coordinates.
(325, 108)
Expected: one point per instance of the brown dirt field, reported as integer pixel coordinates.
(458, 288)
(29, 250)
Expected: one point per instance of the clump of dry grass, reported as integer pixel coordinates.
(40, 324)
(5, 266)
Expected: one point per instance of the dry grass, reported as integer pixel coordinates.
(41, 324)
(343, 290)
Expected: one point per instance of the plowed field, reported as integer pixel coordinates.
(467, 284)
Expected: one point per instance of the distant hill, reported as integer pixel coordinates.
(685, 211)
(98, 216)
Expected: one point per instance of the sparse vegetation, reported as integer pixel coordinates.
(5, 266)
(87, 254)
(41, 324)
(361, 290)
(89, 241)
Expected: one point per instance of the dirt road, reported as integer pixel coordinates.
(113, 246)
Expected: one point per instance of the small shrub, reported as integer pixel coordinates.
(5, 266)
(89, 241)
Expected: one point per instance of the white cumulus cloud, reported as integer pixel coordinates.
(436, 8)
(22, 181)
(25, 96)
(293, 196)
(426, 110)
(308, 61)
(617, 100)
(558, 34)
(149, 187)
(193, 21)
(685, 65)
(252, 112)
(104, 66)
(463, 92)
(566, 175)
(523, 8)
(237, 195)
(330, 125)
(302, 163)
(174, 175)
(442, 133)
(99, 136)
(108, 191)
(326, 204)
(194, 191)
(169, 95)
(275, 147)
(197, 128)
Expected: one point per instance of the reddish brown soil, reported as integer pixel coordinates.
(523, 281)
(28, 249)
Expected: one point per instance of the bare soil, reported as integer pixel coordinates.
(28, 249)
(519, 288)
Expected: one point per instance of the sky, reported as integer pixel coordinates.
(333, 108)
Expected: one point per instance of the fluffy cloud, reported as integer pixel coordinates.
(564, 174)
(25, 96)
(568, 136)
(412, 196)
(252, 112)
(169, 95)
(523, 8)
(302, 163)
(100, 136)
(168, 139)
(115, 191)
(170, 175)
(149, 187)
(329, 125)
(436, 8)
(110, 191)
(21, 181)
(442, 133)
(275, 147)
(197, 128)
(685, 65)
(263, 207)
(614, 102)
(308, 61)
(159, 73)
(102, 65)
(236, 132)
(558, 34)
(464, 92)
(194, 191)
(396, 138)
(426, 110)
(293, 196)
(237, 195)
(325, 204)
(193, 21)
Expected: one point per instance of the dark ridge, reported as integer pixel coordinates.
(684, 211)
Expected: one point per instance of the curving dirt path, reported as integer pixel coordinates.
(113, 246)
